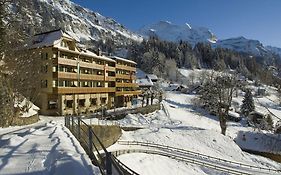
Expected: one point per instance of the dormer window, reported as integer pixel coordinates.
(63, 44)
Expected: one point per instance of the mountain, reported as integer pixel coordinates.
(241, 44)
(172, 32)
(274, 50)
(37, 16)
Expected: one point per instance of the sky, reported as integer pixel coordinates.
(253, 19)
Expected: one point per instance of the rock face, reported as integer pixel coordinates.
(171, 32)
(37, 16)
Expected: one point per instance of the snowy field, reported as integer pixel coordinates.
(185, 126)
(46, 147)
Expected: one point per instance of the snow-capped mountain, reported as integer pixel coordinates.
(83, 24)
(172, 32)
(274, 50)
(241, 44)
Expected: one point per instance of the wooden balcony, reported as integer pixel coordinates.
(120, 93)
(126, 85)
(110, 78)
(109, 68)
(83, 90)
(123, 67)
(127, 77)
(70, 62)
(74, 76)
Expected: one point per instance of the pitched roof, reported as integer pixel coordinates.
(152, 76)
(47, 39)
(144, 82)
(123, 59)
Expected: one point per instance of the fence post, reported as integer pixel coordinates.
(72, 127)
(108, 164)
(78, 128)
(90, 146)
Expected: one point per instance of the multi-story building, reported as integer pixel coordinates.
(126, 85)
(75, 81)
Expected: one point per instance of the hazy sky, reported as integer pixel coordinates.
(254, 19)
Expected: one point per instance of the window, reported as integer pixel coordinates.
(103, 100)
(44, 55)
(55, 83)
(63, 44)
(81, 103)
(52, 104)
(99, 84)
(44, 83)
(69, 103)
(44, 69)
(93, 101)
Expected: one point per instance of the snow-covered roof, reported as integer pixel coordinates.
(92, 54)
(123, 59)
(144, 82)
(140, 74)
(152, 76)
(48, 39)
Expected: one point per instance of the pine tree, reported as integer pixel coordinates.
(248, 103)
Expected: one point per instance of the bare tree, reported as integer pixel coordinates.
(216, 96)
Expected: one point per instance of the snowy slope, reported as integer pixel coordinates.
(83, 24)
(172, 32)
(242, 44)
(274, 50)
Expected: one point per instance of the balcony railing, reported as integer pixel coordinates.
(120, 93)
(126, 85)
(127, 77)
(74, 76)
(70, 62)
(123, 67)
(83, 90)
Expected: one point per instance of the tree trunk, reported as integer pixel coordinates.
(223, 123)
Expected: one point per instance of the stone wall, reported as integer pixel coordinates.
(25, 120)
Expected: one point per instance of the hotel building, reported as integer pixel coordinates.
(77, 81)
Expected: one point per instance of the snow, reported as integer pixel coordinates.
(86, 21)
(46, 147)
(123, 59)
(241, 44)
(33, 110)
(183, 125)
(172, 32)
(144, 82)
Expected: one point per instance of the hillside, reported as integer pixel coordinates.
(35, 16)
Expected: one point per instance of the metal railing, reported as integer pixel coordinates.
(182, 152)
(97, 152)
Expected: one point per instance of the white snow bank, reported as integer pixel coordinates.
(260, 142)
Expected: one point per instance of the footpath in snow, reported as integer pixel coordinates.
(43, 148)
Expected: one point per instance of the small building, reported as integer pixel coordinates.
(152, 77)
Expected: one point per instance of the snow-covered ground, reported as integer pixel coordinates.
(46, 147)
(182, 125)
(185, 127)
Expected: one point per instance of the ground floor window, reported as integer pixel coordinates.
(103, 100)
(81, 103)
(69, 103)
(52, 104)
(93, 101)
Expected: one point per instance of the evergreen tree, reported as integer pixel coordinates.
(248, 103)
